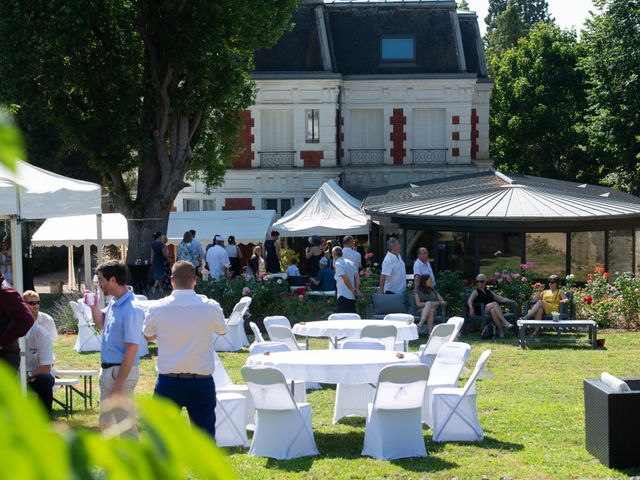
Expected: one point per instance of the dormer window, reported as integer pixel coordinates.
(398, 49)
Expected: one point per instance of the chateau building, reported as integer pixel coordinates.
(368, 93)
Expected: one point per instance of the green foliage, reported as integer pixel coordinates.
(11, 143)
(537, 245)
(61, 312)
(463, 5)
(531, 11)
(450, 286)
(628, 294)
(168, 448)
(611, 62)
(369, 281)
(509, 28)
(286, 254)
(515, 284)
(537, 104)
(269, 297)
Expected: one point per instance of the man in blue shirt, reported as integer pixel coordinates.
(121, 323)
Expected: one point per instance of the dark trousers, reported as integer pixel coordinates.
(345, 305)
(11, 355)
(42, 385)
(197, 395)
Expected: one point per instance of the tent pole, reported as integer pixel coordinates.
(99, 237)
(88, 283)
(71, 277)
(16, 265)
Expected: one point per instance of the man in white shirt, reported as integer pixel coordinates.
(347, 282)
(32, 299)
(349, 253)
(422, 266)
(184, 324)
(39, 363)
(217, 259)
(393, 278)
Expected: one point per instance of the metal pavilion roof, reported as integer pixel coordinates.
(492, 200)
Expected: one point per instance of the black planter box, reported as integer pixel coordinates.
(612, 423)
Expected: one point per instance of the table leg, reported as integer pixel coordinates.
(91, 391)
(521, 334)
(70, 401)
(84, 380)
(593, 333)
(306, 342)
(293, 387)
(406, 346)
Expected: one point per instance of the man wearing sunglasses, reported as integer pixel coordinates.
(32, 299)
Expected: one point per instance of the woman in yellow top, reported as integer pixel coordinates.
(547, 301)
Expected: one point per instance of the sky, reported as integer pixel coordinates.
(568, 13)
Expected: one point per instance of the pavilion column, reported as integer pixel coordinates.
(71, 277)
(87, 266)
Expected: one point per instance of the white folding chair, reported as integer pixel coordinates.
(88, 340)
(354, 400)
(280, 333)
(344, 316)
(275, 320)
(283, 427)
(224, 384)
(441, 334)
(445, 372)
(385, 333)
(459, 323)
(256, 333)
(297, 386)
(455, 416)
(401, 346)
(235, 338)
(230, 420)
(394, 427)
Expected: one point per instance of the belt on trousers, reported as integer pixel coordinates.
(185, 375)
(109, 365)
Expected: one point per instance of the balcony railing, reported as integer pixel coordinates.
(276, 159)
(429, 156)
(366, 156)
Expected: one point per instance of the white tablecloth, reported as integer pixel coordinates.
(332, 366)
(351, 328)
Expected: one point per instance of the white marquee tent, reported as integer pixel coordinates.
(329, 212)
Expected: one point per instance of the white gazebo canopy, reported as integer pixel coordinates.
(329, 212)
(248, 226)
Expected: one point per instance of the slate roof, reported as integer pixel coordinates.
(354, 29)
(488, 199)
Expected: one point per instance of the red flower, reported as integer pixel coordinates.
(299, 291)
(588, 300)
(606, 275)
(599, 270)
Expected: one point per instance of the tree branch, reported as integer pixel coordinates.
(195, 124)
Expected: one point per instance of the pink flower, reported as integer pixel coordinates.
(369, 255)
(301, 298)
(361, 273)
(507, 277)
(367, 273)
(516, 275)
(246, 291)
(524, 279)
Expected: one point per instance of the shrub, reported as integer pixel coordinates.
(450, 286)
(627, 291)
(515, 284)
(62, 314)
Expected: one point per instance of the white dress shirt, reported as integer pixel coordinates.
(48, 324)
(217, 258)
(353, 255)
(184, 324)
(424, 268)
(39, 348)
(393, 268)
(346, 267)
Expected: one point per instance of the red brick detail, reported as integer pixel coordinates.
(238, 204)
(455, 136)
(244, 143)
(455, 120)
(455, 152)
(474, 133)
(311, 158)
(398, 136)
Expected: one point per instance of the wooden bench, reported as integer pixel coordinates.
(559, 326)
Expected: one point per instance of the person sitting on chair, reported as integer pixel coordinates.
(547, 301)
(39, 362)
(427, 300)
(491, 302)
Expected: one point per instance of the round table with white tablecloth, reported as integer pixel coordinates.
(333, 366)
(338, 329)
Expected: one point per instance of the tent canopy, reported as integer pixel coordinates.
(329, 212)
(33, 193)
(248, 226)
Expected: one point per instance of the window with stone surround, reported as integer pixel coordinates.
(190, 205)
(312, 126)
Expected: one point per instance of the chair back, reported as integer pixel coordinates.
(401, 387)
(449, 362)
(220, 376)
(385, 333)
(482, 361)
(256, 332)
(344, 316)
(239, 311)
(399, 317)
(440, 335)
(362, 344)
(258, 348)
(78, 312)
(275, 320)
(459, 323)
(278, 333)
(268, 388)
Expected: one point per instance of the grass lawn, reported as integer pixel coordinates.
(531, 411)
